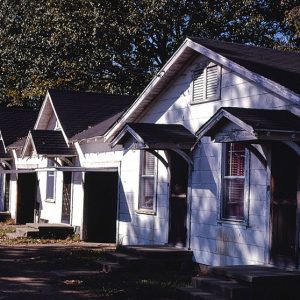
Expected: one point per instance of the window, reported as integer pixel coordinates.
(234, 179)
(50, 189)
(206, 83)
(147, 181)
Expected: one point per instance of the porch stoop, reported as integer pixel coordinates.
(244, 282)
(4, 215)
(43, 230)
(145, 259)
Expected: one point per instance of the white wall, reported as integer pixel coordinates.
(213, 242)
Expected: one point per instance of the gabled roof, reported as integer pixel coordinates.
(282, 67)
(157, 136)
(79, 111)
(251, 124)
(263, 66)
(47, 143)
(15, 123)
(97, 130)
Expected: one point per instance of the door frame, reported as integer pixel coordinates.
(271, 197)
(83, 231)
(187, 200)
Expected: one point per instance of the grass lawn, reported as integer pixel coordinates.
(141, 285)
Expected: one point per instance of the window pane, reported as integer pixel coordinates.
(50, 185)
(147, 181)
(148, 193)
(235, 160)
(233, 198)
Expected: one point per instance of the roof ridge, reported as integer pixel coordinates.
(87, 92)
(296, 51)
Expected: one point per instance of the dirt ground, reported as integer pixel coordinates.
(70, 271)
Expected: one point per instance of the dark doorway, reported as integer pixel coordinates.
(66, 197)
(27, 184)
(284, 183)
(178, 200)
(100, 207)
(6, 192)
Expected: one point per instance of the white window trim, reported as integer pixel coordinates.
(139, 209)
(48, 199)
(204, 68)
(221, 219)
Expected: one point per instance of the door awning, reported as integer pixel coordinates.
(155, 136)
(231, 124)
(48, 143)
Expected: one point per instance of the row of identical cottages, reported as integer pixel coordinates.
(206, 158)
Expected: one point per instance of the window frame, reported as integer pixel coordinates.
(204, 67)
(140, 208)
(246, 177)
(50, 164)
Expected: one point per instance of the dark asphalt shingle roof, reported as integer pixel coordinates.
(50, 142)
(266, 119)
(163, 133)
(282, 67)
(80, 111)
(15, 123)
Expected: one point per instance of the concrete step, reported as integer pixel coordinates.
(125, 259)
(26, 232)
(257, 274)
(52, 230)
(191, 293)
(229, 289)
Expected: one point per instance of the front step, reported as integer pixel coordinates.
(32, 230)
(4, 216)
(257, 274)
(52, 230)
(244, 282)
(190, 293)
(229, 288)
(148, 259)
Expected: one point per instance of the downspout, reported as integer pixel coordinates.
(119, 204)
(190, 172)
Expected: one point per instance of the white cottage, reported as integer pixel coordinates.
(71, 184)
(205, 159)
(232, 194)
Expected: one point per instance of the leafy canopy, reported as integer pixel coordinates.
(117, 46)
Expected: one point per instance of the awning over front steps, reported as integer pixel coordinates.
(233, 124)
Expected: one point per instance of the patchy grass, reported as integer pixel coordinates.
(134, 286)
(4, 229)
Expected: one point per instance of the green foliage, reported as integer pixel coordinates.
(117, 46)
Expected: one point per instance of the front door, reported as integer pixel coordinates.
(178, 200)
(284, 171)
(100, 207)
(66, 200)
(27, 186)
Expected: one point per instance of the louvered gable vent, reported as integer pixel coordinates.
(206, 84)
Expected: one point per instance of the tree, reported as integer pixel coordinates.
(117, 46)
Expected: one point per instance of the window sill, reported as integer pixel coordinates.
(50, 200)
(205, 101)
(241, 223)
(145, 212)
